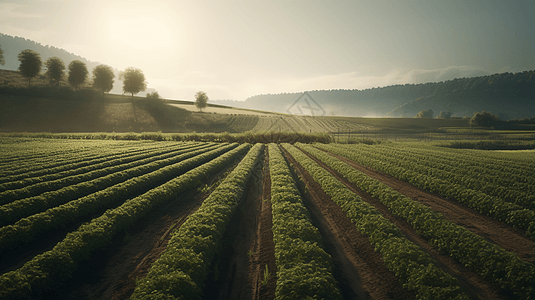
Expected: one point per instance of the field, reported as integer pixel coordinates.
(146, 219)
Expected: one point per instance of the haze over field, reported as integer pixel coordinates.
(238, 49)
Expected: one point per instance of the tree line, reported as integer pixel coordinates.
(102, 78)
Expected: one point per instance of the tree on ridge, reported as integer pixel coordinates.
(2, 61)
(55, 69)
(77, 73)
(133, 81)
(201, 100)
(103, 78)
(30, 64)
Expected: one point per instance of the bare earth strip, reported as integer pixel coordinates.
(263, 248)
(497, 232)
(359, 270)
(230, 275)
(470, 281)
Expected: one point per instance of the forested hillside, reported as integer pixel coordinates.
(507, 94)
(13, 45)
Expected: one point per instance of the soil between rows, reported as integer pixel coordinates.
(359, 270)
(111, 273)
(473, 283)
(247, 247)
(497, 232)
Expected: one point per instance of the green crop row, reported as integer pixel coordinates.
(510, 213)
(57, 163)
(304, 269)
(181, 270)
(510, 185)
(415, 268)
(505, 269)
(15, 210)
(93, 172)
(22, 150)
(26, 229)
(52, 268)
(73, 169)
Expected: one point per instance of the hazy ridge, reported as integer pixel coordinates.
(510, 95)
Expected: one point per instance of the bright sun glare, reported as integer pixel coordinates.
(140, 33)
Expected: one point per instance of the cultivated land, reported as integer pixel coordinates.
(116, 219)
(109, 197)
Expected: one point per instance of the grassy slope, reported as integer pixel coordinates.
(120, 113)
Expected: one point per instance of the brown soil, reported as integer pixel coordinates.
(471, 282)
(111, 273)
(496, 232)
(230, 271)
(359, 270)
(263, 249)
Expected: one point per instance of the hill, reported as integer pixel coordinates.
(43, 108)
(512, 95)
(13, 45)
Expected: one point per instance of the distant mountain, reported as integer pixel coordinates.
(508, 95)
(13, 45)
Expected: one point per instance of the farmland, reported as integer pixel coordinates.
(89, 217)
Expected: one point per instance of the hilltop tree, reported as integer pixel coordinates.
(103, 78)
(55, 69)
(484, 119)
(77, 73)
(2, 61)
(425, 114)
(30, 64)
(444, 115)
(133, 81)
(201, 100)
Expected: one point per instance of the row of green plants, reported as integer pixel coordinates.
(53, 268)
(23, 149)
(511, 185)
(181, 271)
(484, 162)
(304, 269)
(33, 172)
(27, 229)
(17, 209)
(415, 268)
(55, 162)
(33, 186)
(504, 269)
(510, 213)
(244, 137)
(494, 160)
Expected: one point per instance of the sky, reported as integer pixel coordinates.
(236, 49)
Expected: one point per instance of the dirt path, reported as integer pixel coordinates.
(263, 249)
(230, 271)
(497, 232)
(471, 282)
(359, 270)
